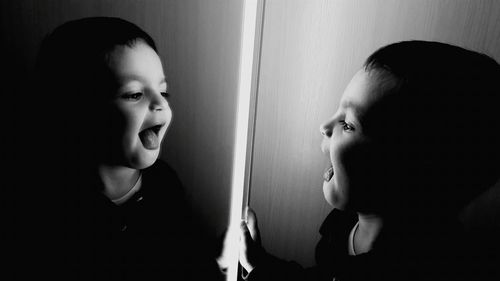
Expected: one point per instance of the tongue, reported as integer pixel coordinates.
(328, 174)
(149, 139)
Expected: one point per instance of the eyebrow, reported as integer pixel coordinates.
(353, 106)
(138, 78)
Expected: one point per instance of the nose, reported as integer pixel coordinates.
(326, 129)
(157, 102)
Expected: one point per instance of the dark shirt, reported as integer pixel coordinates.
(82, 235)
(407, 253)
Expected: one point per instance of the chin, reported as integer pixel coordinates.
(333, 197)
(143, 160)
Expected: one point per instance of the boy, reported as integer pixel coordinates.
(113, 210)
(414, 139)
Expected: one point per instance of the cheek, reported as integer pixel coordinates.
(354, 165)
(367, 173)
(126, 123)
(353, 160)
(132, 124)
(344, 155)
(167, 117)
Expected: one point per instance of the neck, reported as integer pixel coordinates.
(369, 228)
(118, 180)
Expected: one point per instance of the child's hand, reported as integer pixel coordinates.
(251, 251)
(223, 258)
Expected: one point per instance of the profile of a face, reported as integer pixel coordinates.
(140, 112)
(352, 180)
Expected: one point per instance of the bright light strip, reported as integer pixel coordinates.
(242, 138)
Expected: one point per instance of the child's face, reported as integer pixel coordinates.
(140, 112)
(353, 175)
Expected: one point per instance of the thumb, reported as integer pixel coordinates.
(245, 234)
(252, 224)
(249, 250)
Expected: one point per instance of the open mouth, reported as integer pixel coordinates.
(150, 137)
(328, 174)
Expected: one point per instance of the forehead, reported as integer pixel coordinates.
(365, 89)
(136, 62)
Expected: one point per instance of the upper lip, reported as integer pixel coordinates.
(156, 127)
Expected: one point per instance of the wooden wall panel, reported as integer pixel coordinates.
(203, 49)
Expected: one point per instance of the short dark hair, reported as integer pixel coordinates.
(446, 108)
(78, 49)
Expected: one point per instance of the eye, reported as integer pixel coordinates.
(165, 95)
(132, 97)
(346, 126)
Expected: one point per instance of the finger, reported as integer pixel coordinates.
(222, 239)
(245, 232)
(252, 224)
(246, 244)
(223, 249)
(250, 213)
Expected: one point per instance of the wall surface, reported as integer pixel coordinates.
(310, 50)
(199, 43)
(202, 54)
